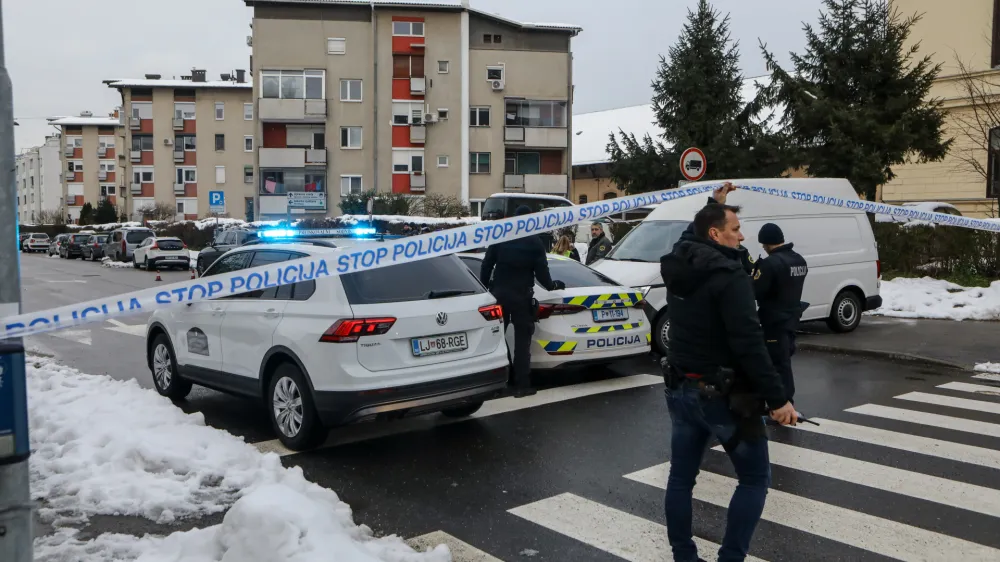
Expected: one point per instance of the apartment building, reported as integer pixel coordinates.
(408, 97)
(90, 163)
(184, 138)
(39, 181)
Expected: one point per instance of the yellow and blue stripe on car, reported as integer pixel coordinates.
(600, 329)
(558, 347)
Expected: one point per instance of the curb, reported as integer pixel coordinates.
(881, 354)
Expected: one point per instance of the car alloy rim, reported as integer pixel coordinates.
(287, 405)
(161, 366)
(847, 312)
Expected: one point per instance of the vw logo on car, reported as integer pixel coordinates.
(442, 318)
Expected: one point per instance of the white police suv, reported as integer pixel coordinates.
(593, 320)
(407, 339)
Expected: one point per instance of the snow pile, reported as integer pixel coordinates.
(934, 298)
(53, 255)
(402, 219)
(108, 262)
(106, 226)
(988, 368)
(103, 446)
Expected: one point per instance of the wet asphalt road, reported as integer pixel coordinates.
(545, 480)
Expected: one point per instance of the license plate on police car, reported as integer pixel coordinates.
(610, 314)
(436, 345)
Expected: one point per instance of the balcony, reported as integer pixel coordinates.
(292, 110)
(102, 151)
(102, 175)
(418, 134)
(418, 85)
(136, 155)
(178, 124)
(68, 151)
(178, 189)
(282, 157)
(136, 188)
(554, 184)
(418, 182)
(537, 137)
(70, 176)
(178, 155)
(134, 123)
(513, 182)
(316, 156)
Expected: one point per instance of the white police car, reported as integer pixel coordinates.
(401, 340)
(594, 320)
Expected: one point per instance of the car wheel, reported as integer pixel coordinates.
(146, 265)
(462, 411)
(845, 314)
(292, 411)
(135, 264)
(660, 336)
(164, 368)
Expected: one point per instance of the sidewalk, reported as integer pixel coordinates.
(945, 342)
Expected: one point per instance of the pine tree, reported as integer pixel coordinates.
(86, 214)
(105, 212)
(697, 102)
(857, 102)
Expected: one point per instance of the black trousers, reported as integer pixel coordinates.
(519, 311)
(781, 346)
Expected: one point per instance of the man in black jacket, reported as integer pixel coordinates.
(509, 269)
(720, 378)
(777, 284)
(599, 245)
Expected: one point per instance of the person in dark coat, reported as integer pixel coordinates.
(777, 284)
(599, 245)
(719, 378)
(509, 270)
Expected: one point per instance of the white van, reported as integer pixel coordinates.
(837, 243)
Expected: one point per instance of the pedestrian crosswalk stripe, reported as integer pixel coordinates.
(460, 551)
(974, 388)
(988, 377)
(874, 534)
(905, 442)
(872, 475)
(952, 402)
(618, 533)
(926, 418)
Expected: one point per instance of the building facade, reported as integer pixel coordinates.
(181, 140)
(404, 97)
(969, 176)
(88, 149)
(39, 181)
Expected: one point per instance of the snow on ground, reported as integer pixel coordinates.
(108, 262)
(102, 446)
(989, 368)
(934, 298)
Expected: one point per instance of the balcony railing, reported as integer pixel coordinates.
(102, 151)
(513, 182)
(178, 155)
(136, 188)
(68, 151)
(418, 85)
(136, 155)
(316, 156)
(554, 184)
(418, 134)
(178, 124)
(134, 123)
(418, 182)
(70, 176)
(102, 175)
(537, 137)
(178, 189)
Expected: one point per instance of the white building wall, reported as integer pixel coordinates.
(51, 176)
(39, 181)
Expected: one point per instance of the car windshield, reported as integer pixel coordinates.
(500, 207)
(649, 241)
(169, 244)
(574, 274)
(439, 277)
(136, 236)
(81, 238)
(101, 239)
(42, 236)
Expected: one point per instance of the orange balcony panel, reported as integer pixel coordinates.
(403, 45)
(190, 190)
(147, 190)
(146, 126)
(146, 158)
(189, 126)
(112, 199)
(401, 183)
(190, 217)
(401, 137)
(190, 158)
(111, 154)
(401, 90)
(111, 178)
(77, 153)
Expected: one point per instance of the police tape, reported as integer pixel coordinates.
(363, 257)
(339, 261)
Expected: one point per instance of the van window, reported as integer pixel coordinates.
(500, 207)
(574, 274)
(136, 236)
(445, 273)
(649, 241)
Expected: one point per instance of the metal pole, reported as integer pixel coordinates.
(15, 496)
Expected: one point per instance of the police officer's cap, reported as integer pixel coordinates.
(771, 235)
(522, 210)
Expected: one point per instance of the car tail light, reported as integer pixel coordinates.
(154, 247)
(491, 312)
(349, 330)
(124, 248)
(547, 310)
(878, 269)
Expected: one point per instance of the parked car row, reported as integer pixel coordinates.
(141, 246)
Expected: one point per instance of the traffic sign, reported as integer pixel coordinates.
(217, 201)
(693, 164)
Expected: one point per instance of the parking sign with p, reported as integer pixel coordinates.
(216, 201)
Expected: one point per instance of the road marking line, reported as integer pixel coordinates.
(925, 418)
(974, 388)
(898, 481)
(138, 330)
(367, 431)
(82, 337)
(460, 551)
(63, 280)
(618, 533)
(874, 534)
(951, 402)
(905, 442)
(988, 377)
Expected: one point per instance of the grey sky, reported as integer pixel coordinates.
(58, 51)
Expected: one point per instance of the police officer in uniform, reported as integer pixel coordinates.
(599, 245)
(777, 284)
(509, 270)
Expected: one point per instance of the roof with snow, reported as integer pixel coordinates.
(84, 121)
(129, 83)
(591, 130)
(429, 5)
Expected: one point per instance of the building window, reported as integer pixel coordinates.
(497, 39)
(248, 112)
(293, 84)
(583, 199)
(522, 163)
(993, 165)
(187, 175)
(476, 207)
(408, 28)
(479, 162)
(442, 114)
(319, 141)
(180, 207)
(220, 111)
(106, 142)
(74, 166)
(479, 117)
(494, 73)
(442, 161)
(529, 113)
(142, 110)
(417, 163)
(281, 181)
(336, 46)
(995, 54)
(350, 137)
(350, 90)
(220, 142)
(487, 38)
(107, 189)
(350, 185)
(247, 174)
(105, 166)
(220, 174)
(407, 113)
(142, 174)
(248, 143)
(610, 195)
(184, 110)
(142, 142)
(186, 142)
(407, 66)
(444, 67)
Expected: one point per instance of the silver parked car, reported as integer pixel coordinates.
(123, 241)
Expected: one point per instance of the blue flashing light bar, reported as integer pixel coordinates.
(286, 233)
